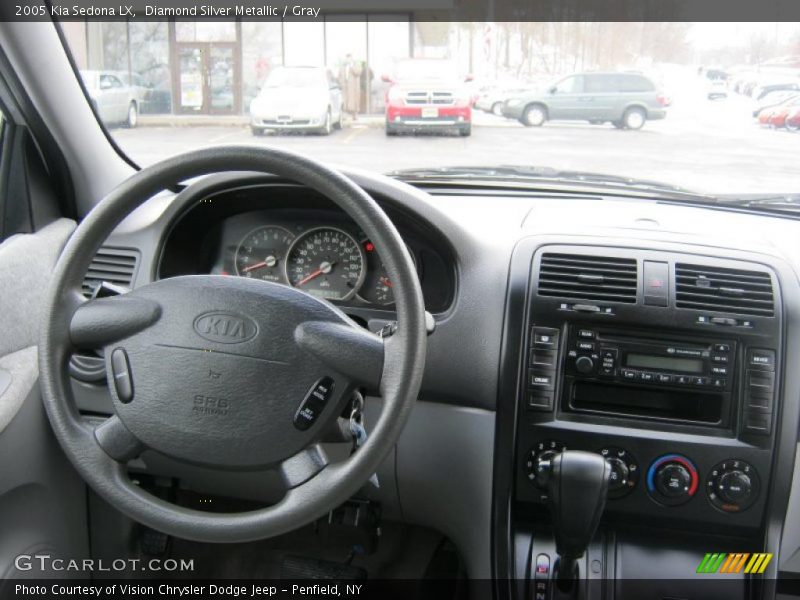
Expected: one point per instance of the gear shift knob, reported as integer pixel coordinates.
(577, 486)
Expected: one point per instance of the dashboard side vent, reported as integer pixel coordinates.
(587, 277)
(113, 265)
(728, 290)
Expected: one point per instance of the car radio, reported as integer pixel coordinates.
(650, 362)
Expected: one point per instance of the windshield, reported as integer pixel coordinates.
(707, 107)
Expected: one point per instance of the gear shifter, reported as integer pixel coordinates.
(577, 485)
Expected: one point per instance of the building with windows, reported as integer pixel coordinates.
(203, 67)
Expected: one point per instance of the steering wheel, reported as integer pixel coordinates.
(228, 372)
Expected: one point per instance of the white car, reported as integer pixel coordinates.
(492, 100)
(297, 98)
(114, 101)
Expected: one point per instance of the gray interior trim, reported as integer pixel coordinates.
(790, 543)
(26, 262)
(22, 370)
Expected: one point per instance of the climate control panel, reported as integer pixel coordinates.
(670, 480)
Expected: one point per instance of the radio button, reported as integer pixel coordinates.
(664, 378)
(586, 334)
(761, 359)
(629, 374)
(646, 376)
(682, 380)
(719, 370)
(722, 348)
(720, 358)
(701, 381)
(719, 383)
(586, 346)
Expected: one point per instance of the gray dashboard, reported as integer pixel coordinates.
(477, 234)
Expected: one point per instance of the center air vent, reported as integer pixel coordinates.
(598, 278)
(113, 265)
(728, 290)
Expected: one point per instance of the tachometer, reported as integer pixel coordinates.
(327, 263)
(262, 252)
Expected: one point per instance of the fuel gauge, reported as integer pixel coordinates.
(377, 287)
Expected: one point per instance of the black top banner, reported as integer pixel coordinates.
(416, 10)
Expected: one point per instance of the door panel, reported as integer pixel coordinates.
(566, 98)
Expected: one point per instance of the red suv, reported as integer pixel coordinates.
(425, 95)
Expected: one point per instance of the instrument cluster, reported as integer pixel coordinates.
(334, 261)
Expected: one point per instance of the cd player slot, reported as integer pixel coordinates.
(706, 408)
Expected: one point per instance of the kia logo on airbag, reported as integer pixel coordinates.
(225, 327)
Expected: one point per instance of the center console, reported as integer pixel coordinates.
(668, 366)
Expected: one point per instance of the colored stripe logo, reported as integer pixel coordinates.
(738, 562)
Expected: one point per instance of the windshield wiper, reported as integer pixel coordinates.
(532, 175)
(773, 202)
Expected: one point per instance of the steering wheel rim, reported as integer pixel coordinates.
(315, 486)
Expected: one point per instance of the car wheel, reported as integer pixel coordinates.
(338, 124)
(465, 130)
(793, 126)
(133, 116)
(328, 126)
(534, 115)
(257, 131)
(497, 109)
(634, 118)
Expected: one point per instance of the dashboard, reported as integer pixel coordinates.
(553, 330)
(291, 236)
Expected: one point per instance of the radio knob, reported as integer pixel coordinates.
(584, 364)
(734, 487)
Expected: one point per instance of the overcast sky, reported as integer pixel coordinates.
(707, 36)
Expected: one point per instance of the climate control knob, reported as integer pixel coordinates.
(672, 480)
(624, 471)
(584, 364)
(732, 485)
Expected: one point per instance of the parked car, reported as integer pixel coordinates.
(776, 117)
(773, 99)
(492, 99)
(793, 119)
(717, 89)
(627, 100)
(297, 98)
(428, 94)
(114, 101)
(761, 90)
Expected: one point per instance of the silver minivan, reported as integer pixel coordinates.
(627, 100)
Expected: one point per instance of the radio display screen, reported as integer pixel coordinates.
(667, 363)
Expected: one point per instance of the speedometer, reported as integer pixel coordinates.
(327, 263)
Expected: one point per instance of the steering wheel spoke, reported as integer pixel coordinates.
(99, 322)
(117, 441)
(356, 353)
(306, 464)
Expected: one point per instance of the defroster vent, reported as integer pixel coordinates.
(587, 277)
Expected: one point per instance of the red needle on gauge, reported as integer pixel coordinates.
(386, 282)
(263, 263)
(323, 268)
(270, 262)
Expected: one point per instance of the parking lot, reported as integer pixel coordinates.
(704, 145)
